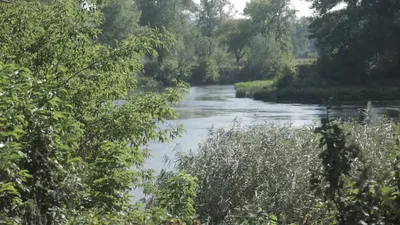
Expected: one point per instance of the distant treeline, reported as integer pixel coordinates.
(211, 44)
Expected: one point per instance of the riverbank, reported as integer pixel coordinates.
(273, 171)
(248, 89)
(267, 91)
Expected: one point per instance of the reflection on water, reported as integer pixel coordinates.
(207, 106)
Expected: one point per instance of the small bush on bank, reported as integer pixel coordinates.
(247, 89)
(285, 77)
(318, 95)
(267, 169)
(262, 165)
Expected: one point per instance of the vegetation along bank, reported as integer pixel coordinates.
(310, 88)
(358, 57)
(70, 155)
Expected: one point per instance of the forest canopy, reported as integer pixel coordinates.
(211, 44)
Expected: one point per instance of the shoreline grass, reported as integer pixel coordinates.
(313, 95)
(248, 89)
(307, 87)
(270, 166)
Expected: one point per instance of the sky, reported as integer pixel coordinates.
(302, 6)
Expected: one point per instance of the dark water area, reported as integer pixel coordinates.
(216, 106)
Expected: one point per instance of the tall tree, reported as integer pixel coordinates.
(270, 17)
(357, 39)
(167, 13)
(210, 15)
(171, 14)
(303, 45)
(266, 58)
(120, 19)
(236, 35)
(68, 153)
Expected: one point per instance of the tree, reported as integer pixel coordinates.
(270, 17)
(265, 59)
(357, 40)
(177, 60)
(68, 153)
(210, 15)
(236, 35)
(303, 46)
(121, 19)
(167, 13)
(178, 196)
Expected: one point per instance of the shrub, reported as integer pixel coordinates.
(68, 153)
(285, 77)
(207, 71)
(267, 168)
(262, 166)
(349, 186)
(178, 196)
(247, 89)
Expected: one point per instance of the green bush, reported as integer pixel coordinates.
(247, 89)
(267, 168)
(178, 196)
(260, 166)
(357, 184)
(318, 95)
(68, 153)
(207, 71)
(285, 77)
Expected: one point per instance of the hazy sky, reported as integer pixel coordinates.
(301, 5)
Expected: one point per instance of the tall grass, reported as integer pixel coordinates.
(247, 89)
(319, 95)
(269, 167)
(306, 86)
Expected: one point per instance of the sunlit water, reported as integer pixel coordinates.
(216, 106)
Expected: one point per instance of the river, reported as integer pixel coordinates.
(207, 106)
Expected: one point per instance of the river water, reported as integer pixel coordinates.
(216, 106)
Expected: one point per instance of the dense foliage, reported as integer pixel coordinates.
(211, 44)
(358, 47)
(72, 140)
(74, 128)
(359, 40)
(334, 173)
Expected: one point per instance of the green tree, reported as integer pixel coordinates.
(167, 13)
(178, 60)
(266, 58)
(69, 153)
(270, 49)
(270, 17)
(303, 46)
(207, 72)
(236, 35)
(178, 196)
(121, 19)
(211, 13)
(359, 40)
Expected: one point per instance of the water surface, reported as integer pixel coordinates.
(216, 106)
